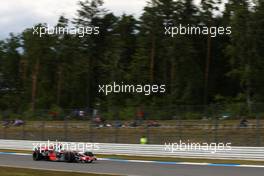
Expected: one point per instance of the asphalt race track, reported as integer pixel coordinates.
(131, 168)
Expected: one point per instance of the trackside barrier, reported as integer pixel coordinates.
(235, 153)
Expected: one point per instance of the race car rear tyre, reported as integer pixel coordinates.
(37, 156)
(69, 157)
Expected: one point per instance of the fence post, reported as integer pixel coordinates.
(147, 134)
(65, 129)
(206, 126)
(23, 132)
(116, 134)
(215, 125)
(91, 131)
(116, 125)
(4, 132)
(42, 130)
(179, 126)
(258, 139)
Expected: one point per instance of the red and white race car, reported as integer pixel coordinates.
(50, 154)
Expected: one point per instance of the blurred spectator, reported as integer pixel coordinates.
(97, 121)
(95, 113)
(133, 124)
(81, 113)
(6, 123)
(243, 123)
(75, 113)
(18, 122)
(53, 114)
(118, 124)
(143, 140)
(140, 114)
(153, 123)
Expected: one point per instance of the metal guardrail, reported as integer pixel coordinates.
(235, 153)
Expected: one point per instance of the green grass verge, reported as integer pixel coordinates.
(169, 159)
(12, 171)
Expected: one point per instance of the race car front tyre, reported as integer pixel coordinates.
(37, 156)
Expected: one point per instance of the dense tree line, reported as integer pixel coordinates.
(65, 70)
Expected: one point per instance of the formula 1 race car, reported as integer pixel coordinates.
(49, 154)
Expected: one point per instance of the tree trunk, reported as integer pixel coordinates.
(248, 89)
(34, 85)
(207, 69)
(152, 59)
(173, 76)
(59, 85)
